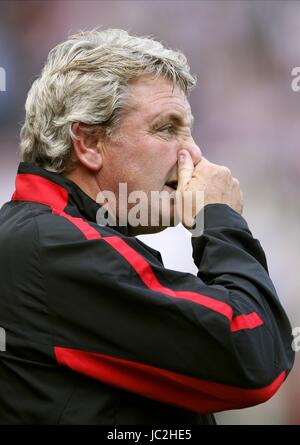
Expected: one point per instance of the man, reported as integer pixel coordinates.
(97, 330)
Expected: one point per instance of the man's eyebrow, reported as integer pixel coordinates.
(175, 117)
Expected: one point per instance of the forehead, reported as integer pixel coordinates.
(158, 97)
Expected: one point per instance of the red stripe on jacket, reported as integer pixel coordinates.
(169, 387)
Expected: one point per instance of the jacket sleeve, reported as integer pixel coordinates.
(217, 341)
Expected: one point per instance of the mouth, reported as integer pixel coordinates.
(172, 185)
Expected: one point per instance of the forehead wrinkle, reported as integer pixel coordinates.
(177, 114)
(163, 94)
(137, 103)
(156, 96)
(162, 103)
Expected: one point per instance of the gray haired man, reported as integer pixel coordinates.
(98, 331)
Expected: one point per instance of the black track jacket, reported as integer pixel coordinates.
(98, 331)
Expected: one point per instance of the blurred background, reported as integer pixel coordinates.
(246, 117)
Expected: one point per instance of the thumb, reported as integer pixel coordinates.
(185, 169)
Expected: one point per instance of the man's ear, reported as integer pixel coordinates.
(86, 147)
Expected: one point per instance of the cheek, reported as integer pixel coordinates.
(164, 152)
(146, 160)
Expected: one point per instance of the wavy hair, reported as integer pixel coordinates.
(86, 79)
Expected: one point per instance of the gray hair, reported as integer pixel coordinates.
(86, 79)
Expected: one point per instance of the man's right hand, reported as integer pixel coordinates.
(215, 181)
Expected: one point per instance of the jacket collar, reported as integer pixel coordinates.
(36, 184)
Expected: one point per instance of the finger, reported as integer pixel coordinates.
(185, 169)
(238, 192)
(203, 162)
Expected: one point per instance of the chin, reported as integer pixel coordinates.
(164, 220)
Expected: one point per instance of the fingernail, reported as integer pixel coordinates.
(181, 158)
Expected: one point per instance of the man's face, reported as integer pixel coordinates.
(157, 125)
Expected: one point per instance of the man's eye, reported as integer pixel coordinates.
(169, 129)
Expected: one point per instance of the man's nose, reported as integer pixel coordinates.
(194, 150)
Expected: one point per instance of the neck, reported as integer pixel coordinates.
(85, 180)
